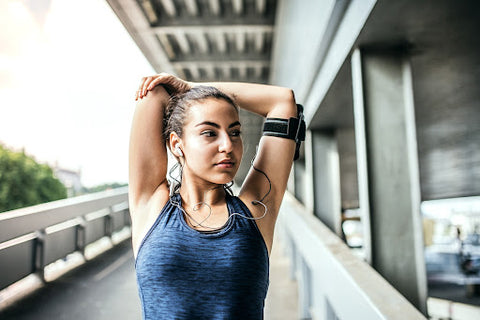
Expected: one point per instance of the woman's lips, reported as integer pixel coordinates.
(225, 164)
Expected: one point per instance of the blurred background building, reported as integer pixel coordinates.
(71, 179)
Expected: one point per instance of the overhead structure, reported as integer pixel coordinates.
(207, 40)
(203, 40)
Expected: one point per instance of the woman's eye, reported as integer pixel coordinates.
(208, 133)
(236, 133)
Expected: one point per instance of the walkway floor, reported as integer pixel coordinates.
(105, 288)
(282, 297)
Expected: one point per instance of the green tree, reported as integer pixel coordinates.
(105, 186)
(24, 182)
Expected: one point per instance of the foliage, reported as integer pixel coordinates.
(24, 182)
(106, 186)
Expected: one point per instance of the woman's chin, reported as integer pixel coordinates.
(224, 179)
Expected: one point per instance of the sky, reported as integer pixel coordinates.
(68, 74)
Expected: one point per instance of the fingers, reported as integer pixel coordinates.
(155, 82)
(148, 83)
(163, 78)
(137, 93)
(143, 89)
(141, 92)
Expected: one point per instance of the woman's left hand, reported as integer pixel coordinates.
(172, 84)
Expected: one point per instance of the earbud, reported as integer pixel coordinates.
(179, 151)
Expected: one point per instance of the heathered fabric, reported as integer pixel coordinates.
(186, 274)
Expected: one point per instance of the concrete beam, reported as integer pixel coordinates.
(182, 40)
(194, 70)
(222, 64)
(240, 41)
(169, 7)
(209, 73)
(220, 41)
(237, 6)
(340, 47)
(167, 47)
(242, 70)
(192, 7)
(132, 17)
(149, 11)
(261, 6)
(202, 42)
(259, 41)
(252, 28)
(214, 6)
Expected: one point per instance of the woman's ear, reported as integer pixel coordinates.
(174, 144)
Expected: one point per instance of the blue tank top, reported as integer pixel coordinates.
(183, 273)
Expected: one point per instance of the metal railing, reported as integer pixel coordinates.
(33, 237)
(333, 283)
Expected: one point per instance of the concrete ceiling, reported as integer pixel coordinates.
(439, 36)
(206, 40)
(441, 39)
(203, 40)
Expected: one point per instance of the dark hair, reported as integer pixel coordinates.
(177, 108)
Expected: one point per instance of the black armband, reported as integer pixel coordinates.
(293, 128)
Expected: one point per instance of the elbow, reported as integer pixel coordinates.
(290, 98)
(286, 106)
(292, 104)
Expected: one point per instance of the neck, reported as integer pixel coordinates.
(203, 202)
(192, 194)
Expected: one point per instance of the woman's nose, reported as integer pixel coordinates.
(226, 144)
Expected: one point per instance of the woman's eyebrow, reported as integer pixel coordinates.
(213, 124)
(208, 123)
(236, 123)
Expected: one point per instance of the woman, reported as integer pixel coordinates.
(202, 253)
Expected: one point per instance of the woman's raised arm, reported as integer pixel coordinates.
(147, 151)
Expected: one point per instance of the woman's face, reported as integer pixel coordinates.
(211, 141)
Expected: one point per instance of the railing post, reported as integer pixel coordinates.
(109, 223)
(304, 287)
(293, 257)
(39, 255)
(80, 235)
(126, 217)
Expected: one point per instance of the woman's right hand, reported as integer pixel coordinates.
(172, 84)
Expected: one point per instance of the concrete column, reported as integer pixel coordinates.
(392, 168)
(361, 152)
(303, 176)
(299, 178)
(345, 138)
(326, 180)
(309, 167)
